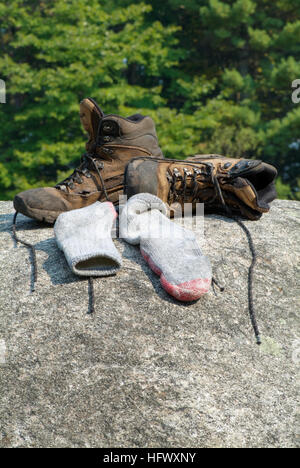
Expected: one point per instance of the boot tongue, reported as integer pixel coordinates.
(90, 117)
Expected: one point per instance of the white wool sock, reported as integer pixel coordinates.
(171, 251)
(84, 235)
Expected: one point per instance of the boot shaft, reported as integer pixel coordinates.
(113, 142)
(112, 135)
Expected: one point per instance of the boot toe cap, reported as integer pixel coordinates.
(42, 204)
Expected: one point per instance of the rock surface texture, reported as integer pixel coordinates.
(145, 370)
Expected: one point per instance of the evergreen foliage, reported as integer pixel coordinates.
(216, 76)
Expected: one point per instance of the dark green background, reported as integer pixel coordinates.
(216, 76)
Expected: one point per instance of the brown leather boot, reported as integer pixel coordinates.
(245, 186)
(113, 141)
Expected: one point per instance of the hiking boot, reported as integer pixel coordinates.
(113, 141)
(243, 186)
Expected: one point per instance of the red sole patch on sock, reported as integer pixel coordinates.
(185, 292)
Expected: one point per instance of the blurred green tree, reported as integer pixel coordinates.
(216, 75)
(53, 54)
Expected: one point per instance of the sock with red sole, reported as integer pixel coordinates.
(171, 251)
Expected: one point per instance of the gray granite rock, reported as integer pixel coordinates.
(145, 370)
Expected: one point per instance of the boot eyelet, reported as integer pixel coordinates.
(107, 150)
(107, 128)
(176, 172)
(187, 172)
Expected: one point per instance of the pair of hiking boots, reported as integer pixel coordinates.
(123, 156)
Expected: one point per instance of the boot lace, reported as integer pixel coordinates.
(88, 162)
(180, 193)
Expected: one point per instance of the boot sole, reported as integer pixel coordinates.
(34, 213)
